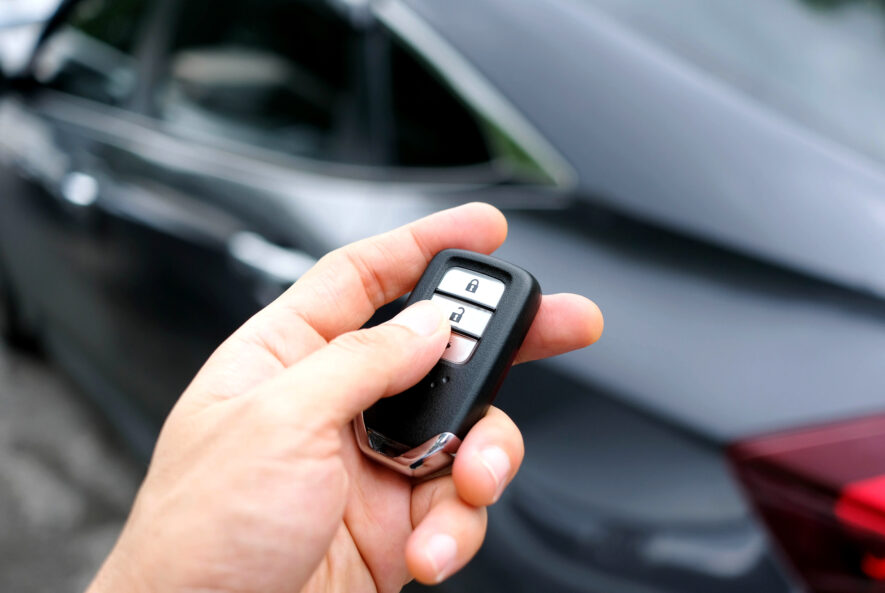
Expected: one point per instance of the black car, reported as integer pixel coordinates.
(711, 173)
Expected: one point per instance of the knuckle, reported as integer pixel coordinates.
(359, 257)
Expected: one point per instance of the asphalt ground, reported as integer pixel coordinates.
(66, 482)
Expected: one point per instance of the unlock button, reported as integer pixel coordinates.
(463, 316)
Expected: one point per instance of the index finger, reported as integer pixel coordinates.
(343, 290)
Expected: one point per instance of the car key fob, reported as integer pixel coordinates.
(491, 305)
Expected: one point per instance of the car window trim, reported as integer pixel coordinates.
(373, 87)
(474, 89)
(149, 51)
(133, 131)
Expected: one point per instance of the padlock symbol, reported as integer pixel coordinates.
(472, 285)
(456, 315)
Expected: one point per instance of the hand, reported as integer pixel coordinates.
(257, 484)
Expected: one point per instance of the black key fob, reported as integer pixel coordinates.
(491, 305)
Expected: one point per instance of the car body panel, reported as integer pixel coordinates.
(787, 335)
(167, 214)
(611, 511)
(702, 158)
(721, 345)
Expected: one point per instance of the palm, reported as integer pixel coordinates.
(379, 504)
(371, 538)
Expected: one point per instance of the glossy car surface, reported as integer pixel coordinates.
(166, 169)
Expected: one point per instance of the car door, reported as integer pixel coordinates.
(198, 205)
(160, 254)
(53, 226)
(245, 140)
(269, 137)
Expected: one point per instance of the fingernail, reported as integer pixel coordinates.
(441, 550)
(497, 462)
(423, 318)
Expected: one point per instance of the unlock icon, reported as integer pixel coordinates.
(457, 314)
(472, 285)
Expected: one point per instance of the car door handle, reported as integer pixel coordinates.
(271, 263)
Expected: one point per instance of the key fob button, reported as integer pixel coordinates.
(459, 349)
(472, 286)
(463, 316)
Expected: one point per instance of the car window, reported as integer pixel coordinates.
(91, 54)
(273, 73)
(431, 126)
(283, 75)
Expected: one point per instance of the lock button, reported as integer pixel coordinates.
(472, 286)
(464, 317)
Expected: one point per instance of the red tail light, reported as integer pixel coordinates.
(821, 491)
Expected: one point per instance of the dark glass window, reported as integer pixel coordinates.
(432, 127)
(292, 76)
(91, 55)
(274, 73)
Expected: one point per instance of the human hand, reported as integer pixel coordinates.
(257, 483)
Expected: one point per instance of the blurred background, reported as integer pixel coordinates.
(711, 172)
(66, 483)
(21, 22)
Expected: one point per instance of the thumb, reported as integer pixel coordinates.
(354, 370)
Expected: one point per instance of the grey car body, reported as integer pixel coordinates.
(733, 243)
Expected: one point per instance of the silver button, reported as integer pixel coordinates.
(459, 349)
(463, 316)
(472, 286)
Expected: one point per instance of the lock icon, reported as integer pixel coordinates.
(456, 315)
(472, 285)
